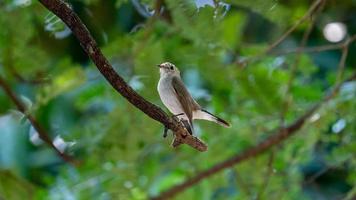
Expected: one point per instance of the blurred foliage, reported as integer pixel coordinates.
(123, 153)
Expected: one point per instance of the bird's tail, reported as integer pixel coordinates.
(203, 114)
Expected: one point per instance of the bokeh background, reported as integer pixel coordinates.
(219, 48)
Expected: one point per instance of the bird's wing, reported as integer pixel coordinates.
(185, 99)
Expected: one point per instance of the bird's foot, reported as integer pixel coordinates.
(177, 115)
(187, 126)
(165, 132)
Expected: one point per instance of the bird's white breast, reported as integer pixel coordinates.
(168, 96)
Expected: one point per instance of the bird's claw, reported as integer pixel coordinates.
(177, 115)
(165, 132)
(182, 121)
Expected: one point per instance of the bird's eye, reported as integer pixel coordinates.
(172, 68)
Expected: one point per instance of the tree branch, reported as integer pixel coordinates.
(66, 14)
(278, 137)
(314, 49)
(20, 78)
(162, 11)
(308, 14)
(40, 130)
(8, 61)
(267, 176)
(315, 7)
(288, 96)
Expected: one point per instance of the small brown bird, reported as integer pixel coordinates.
(178, 100)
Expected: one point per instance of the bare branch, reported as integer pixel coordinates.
(66, 14)
(242, 184)
(278, 137)
(288, 97)
(341, 67)
(315, 7)
(267, 176)
(40, 130)
(310, 12)
(314, 49)
(20, 78)
(162, 11)
(316, 175)
(8, 61)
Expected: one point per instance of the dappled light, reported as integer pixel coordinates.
(335, 31)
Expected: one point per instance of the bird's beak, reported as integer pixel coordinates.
(159, 66)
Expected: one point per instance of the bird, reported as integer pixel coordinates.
(175, 96)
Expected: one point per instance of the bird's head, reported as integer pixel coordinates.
(168, 68)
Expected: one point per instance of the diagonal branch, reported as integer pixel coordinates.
(8, 64)
(20, 78)
(308, 14)
(287, 95)
(278, 137)
(315, 7)
(66, 14)
(40, 130)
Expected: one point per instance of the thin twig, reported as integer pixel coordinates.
(162, 11)
(150, 28)
(316, 175)
(20, 78)
(8, 65)
(313, 8)
(341, 67)
(267, 176)
(287, 96)
(244, 187)
(278, 137)
(66, 14)
(308, 14)
(351, 194)
(40, 130)
(314, 49)
(158, 7)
